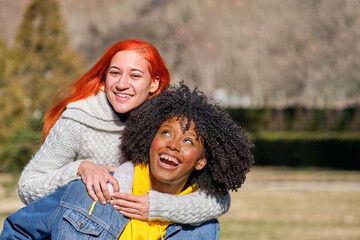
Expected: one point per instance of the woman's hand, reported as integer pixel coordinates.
(95, 175)
(132, 206)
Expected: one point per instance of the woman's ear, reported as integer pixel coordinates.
(154, 85)
(201, 163)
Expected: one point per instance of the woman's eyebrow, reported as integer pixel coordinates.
(165, 125)
(191, 134)
(114, 67)
(133, 69)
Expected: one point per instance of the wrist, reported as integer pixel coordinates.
(81, 168)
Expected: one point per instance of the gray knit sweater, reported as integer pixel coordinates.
(90, 130)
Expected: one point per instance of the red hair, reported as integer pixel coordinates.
(91, 82)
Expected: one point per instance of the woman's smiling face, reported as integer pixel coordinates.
(174, 154)
(128, 82)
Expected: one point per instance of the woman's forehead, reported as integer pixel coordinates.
(181, 120)
(129, 58)
(185, 124)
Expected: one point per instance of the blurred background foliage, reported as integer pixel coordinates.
(287, 71)
(33, 69)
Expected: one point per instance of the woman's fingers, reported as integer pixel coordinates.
(105, 190)
(131, 210)
(89, 188)
(95, 177)
(133, 216)
(99, 189)
(99, 193)
(112, 169)
(132, 198)
(132, 205)
(114, 183)
(124, 205)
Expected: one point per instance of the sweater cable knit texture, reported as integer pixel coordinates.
(90, 130)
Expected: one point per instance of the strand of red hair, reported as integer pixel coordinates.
(92, 81)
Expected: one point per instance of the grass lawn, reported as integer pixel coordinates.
(276, 203)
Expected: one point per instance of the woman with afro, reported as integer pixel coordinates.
(180, 142)
(226, 145)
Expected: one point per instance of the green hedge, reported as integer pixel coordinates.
(297, 119)
(336, 150)
(328, 150)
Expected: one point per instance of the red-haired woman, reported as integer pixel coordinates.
(81, 136)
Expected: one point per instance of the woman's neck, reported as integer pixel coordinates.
(170, 188)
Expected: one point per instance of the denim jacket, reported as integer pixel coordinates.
(64, 214)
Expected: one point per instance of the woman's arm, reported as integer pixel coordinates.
(193, 208)
(54, 165)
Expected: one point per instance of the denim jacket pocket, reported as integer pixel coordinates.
(82, 224)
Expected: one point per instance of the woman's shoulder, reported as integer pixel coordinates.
(96, 105)
(94, 111)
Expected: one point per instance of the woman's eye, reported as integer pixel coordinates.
(165, 132)
(189, 141)
(114, 73)
(135, 76)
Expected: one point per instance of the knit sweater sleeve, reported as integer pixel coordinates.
(193, 208)
(124, 174)
(53, 165)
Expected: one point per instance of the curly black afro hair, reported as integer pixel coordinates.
(226, 145)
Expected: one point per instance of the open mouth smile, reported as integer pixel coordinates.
(169, 160)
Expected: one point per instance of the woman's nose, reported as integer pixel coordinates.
(123, 82)
(174, 145)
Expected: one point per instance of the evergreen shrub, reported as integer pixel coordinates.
(336, 150)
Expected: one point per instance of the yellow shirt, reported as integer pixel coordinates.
(145, 229)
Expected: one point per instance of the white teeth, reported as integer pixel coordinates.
(123, 95)
(169, 158)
